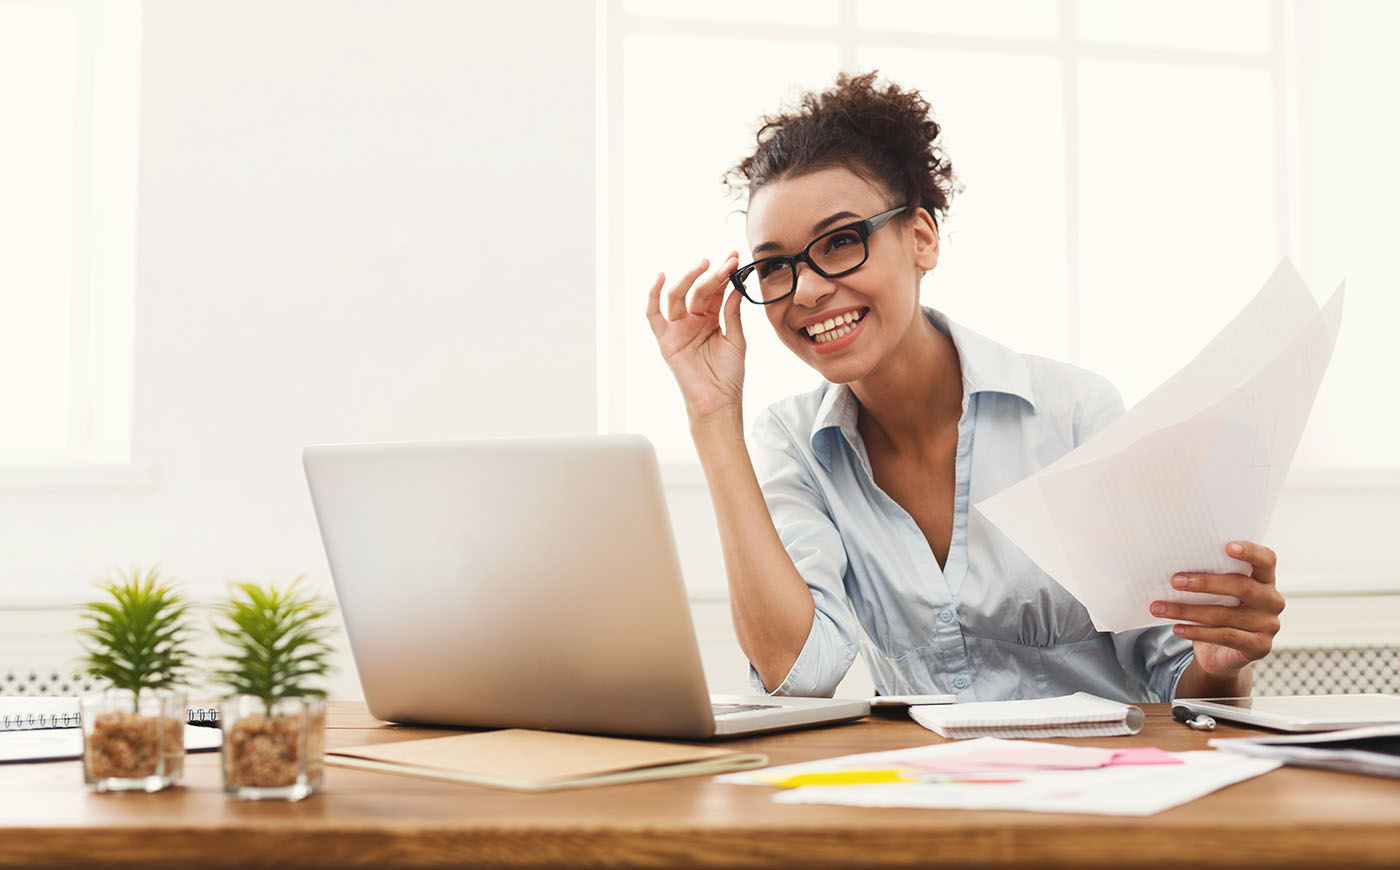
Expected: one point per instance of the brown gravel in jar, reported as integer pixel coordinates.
(125, 746)
(263, 752)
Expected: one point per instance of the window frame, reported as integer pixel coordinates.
(106, 110)
(1307, 490)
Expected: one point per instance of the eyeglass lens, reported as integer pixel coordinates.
(838, 251)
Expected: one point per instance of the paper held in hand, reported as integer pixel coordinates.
(1197, 463)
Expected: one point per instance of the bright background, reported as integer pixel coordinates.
(230, 229)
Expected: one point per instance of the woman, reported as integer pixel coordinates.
(852, 517)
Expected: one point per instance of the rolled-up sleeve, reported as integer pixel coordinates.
(812, 540)
(1153, 655)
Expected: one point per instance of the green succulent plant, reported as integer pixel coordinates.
(280, 643)
(139, 638)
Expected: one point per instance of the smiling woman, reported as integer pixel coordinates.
(851, 517)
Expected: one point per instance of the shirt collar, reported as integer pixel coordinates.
(987, 367)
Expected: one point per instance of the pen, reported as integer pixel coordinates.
(1199, 721)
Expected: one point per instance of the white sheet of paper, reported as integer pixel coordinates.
(1130, 790)
(1197, 463)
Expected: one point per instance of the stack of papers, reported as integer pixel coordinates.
(992, 774)
(1374, 750)
(1196, 464)
(1077, 715)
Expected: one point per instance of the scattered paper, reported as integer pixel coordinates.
(1144, 755)
(1113, 791)
(1197, 463)
(990, 773)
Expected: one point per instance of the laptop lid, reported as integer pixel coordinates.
(521, 583)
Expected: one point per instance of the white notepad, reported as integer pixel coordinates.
(1077, 715)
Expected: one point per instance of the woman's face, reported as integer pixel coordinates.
(880, 299)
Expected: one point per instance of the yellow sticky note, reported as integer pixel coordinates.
(842, 777)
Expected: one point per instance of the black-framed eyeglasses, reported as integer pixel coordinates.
(832, 254)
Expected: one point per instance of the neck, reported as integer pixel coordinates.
(916, 391)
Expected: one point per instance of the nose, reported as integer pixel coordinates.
(812, 287)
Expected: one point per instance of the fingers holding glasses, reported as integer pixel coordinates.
(676, 296)
(707, 295)
(733, 323)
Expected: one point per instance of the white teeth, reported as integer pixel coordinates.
(824, 337)
(818, 329)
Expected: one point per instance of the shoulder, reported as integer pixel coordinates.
(1068, 394)
(788, 422)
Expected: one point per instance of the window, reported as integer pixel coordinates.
(68, 95)
(1131, 178)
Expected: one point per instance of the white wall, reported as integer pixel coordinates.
(342, 202)
(339, 198)
(1334, 527)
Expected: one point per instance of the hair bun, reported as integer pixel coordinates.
(888, 132)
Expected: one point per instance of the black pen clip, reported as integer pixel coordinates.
(1192, 719)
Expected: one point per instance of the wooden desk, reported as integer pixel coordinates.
(1288, 818)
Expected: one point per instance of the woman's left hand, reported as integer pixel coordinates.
(1226, 639)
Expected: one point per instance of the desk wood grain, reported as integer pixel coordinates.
(1288, 818)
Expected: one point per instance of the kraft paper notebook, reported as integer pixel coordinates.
(527, 760)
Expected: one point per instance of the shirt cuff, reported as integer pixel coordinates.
(1177, 671)
(818, 669)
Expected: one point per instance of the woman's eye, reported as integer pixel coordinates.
(840, 240)
(768, 267)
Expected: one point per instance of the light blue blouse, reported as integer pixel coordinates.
(990, 625)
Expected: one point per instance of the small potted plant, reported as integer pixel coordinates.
(274, 716)
(137, 643)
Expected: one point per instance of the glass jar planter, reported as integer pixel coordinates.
(131, 742)
(273, 753)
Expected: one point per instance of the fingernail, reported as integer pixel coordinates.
(1158, 608)
(1178, 630)
(1180, 581)
(1236, 549)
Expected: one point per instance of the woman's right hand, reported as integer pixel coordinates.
(708, 364)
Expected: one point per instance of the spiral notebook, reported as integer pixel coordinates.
(26, 713)
(1077, 715)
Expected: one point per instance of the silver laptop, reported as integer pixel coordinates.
(525, 584)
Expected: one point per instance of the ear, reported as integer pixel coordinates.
(925, 240)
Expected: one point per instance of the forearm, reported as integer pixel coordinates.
(1196, 683)
(771, 605)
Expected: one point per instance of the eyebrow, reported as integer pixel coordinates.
(816, 230)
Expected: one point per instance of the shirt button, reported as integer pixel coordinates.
(960, 682)
(945, 615)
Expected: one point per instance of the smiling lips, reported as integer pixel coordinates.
(834, 327)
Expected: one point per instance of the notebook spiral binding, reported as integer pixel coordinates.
(34, 721)
(30, 721)
(204, 716)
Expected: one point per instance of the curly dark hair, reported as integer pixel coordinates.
(886, 136)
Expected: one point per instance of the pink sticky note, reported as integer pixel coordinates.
(1144, 755)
